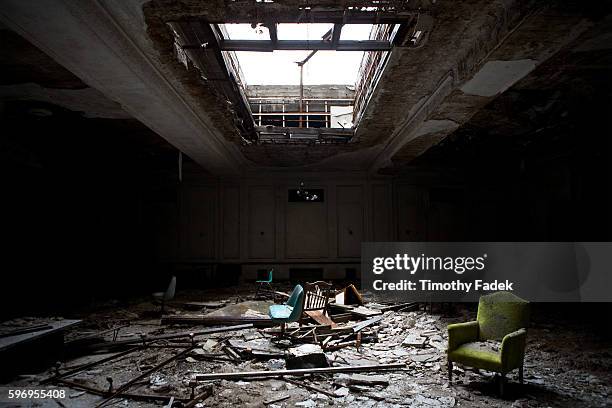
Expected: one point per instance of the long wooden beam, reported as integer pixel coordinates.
(297, 372)
(293, 45)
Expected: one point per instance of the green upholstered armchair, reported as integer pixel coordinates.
(502, 316)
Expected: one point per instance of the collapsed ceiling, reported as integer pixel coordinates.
(471, 56)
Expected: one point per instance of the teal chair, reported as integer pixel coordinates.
(290, 311)
(503, 317)
(265, 285)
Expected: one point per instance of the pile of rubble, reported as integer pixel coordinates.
(370, 355)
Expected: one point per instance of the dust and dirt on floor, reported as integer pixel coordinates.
(124, 355)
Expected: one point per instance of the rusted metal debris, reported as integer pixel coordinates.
(143, 340)
(143, 375)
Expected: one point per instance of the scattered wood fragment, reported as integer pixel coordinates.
(397, 307)
(205, 320)
(274, 400)
(105, 393)
(297, 372)
(88, 366)
(349, 296)
(233, 354)
(148, 339)
(310, 387)
(342, 317)
(128, 384)
(319, 317)
(362, 325)
(208, 391)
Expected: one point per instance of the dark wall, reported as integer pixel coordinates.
(74, 193)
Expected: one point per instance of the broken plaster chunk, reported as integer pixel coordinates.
(309, 403)
(421, 358)
(361, 379)
(209, 345)
(158, 382)
(414, 340)
(276, 364)
(341, 392)
(306, 356)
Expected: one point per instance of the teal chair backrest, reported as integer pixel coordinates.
(296, 301)
(501, 313)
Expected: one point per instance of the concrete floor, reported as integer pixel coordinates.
(565, 366)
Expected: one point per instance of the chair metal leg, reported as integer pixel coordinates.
(502, 383)
(450, 371)
(521, 374)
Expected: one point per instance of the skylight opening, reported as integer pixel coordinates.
(310, 32)
(247, 32)
(291, 82)
(356, 32)
(281, 68)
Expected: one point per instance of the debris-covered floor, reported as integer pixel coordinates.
(572, 371)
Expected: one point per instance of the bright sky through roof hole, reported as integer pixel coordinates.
(280, 68)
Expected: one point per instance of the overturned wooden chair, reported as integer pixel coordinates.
(316, 302)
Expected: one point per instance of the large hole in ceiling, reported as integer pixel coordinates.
(280, 67)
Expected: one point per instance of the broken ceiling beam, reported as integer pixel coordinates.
(293, 45)
(298, 372)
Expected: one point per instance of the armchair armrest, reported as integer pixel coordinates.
(513, 349)
(461, 333)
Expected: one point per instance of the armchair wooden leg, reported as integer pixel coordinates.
(521, 374)
(502, 383)
(450, 371)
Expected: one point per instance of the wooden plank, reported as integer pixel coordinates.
(319, 317)
(297, 372)
(205, 320)
(360, 311)
(362, 325)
